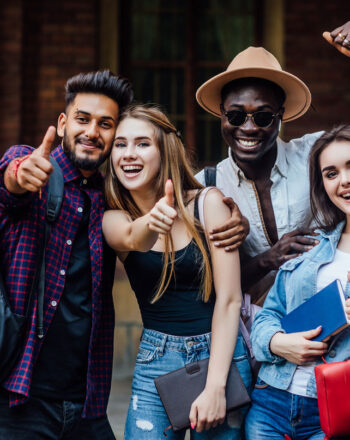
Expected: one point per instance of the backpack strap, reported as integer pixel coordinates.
(55, 192)
(210, 176)
(53, 207)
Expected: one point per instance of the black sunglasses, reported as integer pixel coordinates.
(262, 119)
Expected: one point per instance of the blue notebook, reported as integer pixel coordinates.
(326, 308)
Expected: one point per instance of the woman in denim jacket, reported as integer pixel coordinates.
(284, 401)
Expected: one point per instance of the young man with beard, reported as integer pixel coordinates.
(60, 385)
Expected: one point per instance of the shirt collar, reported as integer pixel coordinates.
(280, 165)
(71, 172)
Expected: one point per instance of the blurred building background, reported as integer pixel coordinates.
(167, 48)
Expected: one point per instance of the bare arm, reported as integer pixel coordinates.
(209, 408)
(231, 234)
(124, 234)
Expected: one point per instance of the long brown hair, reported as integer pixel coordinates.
(325, 213)
(174, 166)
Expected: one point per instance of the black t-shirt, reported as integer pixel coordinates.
(61, 370)
(181, 310)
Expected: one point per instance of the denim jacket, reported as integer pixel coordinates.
(294, 284)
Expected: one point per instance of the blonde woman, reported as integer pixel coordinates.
(153, 227)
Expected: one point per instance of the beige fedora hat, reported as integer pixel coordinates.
(259, 63)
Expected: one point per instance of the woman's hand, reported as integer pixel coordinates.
(298, 347)
(163, 214)
(340, 38)
(209, 409)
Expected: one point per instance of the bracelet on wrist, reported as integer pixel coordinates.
(17, 163)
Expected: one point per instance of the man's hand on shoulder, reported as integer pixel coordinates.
(31, 173)
(233, 232)
(289, 246)
(340, 38)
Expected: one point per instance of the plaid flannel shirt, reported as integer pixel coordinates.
(21, 227)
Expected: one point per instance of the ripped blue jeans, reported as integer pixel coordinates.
(159, 354)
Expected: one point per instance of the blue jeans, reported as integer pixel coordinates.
(40, 419)
(159, 354)
(275, 413)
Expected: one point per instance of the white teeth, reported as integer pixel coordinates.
(248, 143)
(346, 196)
(132, 167)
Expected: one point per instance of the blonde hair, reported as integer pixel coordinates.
(174, 166)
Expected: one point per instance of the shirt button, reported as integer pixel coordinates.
(69, 242)
(332, 353)
(80, 209)
(62, 272)
(84, 181)
(54, 303)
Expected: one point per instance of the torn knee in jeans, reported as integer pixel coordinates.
(144, 425)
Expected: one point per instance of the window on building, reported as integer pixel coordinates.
(169, 48)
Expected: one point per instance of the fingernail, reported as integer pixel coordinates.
(192, 425)
(216, 244)
(310, 247)
(211, 237)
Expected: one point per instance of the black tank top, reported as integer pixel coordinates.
(180, 311)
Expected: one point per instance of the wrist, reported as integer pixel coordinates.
(274, 341)
(16, 164)
(10, 177)
(265, 261)
(216, 384)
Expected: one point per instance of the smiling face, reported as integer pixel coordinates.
(88, 129)
(335, 168)
(135, 155)
(249, 143)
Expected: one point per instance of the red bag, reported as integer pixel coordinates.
(333, 394)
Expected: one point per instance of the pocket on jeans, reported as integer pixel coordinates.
(260, 384)
(146, 353)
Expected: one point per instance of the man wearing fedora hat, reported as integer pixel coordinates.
(266, 177)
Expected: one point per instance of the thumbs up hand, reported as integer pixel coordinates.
(34, 172)
(163, 214)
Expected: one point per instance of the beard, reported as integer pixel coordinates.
(82, 163)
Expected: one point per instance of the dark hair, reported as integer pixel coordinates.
(102, 82)
(249, 81)
(325, 213)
